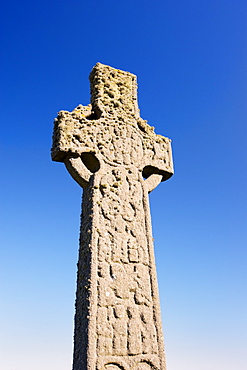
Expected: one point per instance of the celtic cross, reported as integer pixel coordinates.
(118, 159)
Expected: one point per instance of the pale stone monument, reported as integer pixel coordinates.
(118, 159)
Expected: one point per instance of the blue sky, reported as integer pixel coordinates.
(190, 58)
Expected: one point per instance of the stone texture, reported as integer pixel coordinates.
(118, 159)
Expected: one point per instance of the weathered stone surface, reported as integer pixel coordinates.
(117, 158)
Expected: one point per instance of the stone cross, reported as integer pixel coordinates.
(118, 159)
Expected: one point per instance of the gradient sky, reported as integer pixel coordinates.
(190, 57)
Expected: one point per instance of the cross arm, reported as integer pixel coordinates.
(74, 143)
(157, 161)
(73, 134)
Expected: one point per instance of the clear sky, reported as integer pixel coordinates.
(190, 57)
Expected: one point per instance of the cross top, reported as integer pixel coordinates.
(113, 93)
(109, 131)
